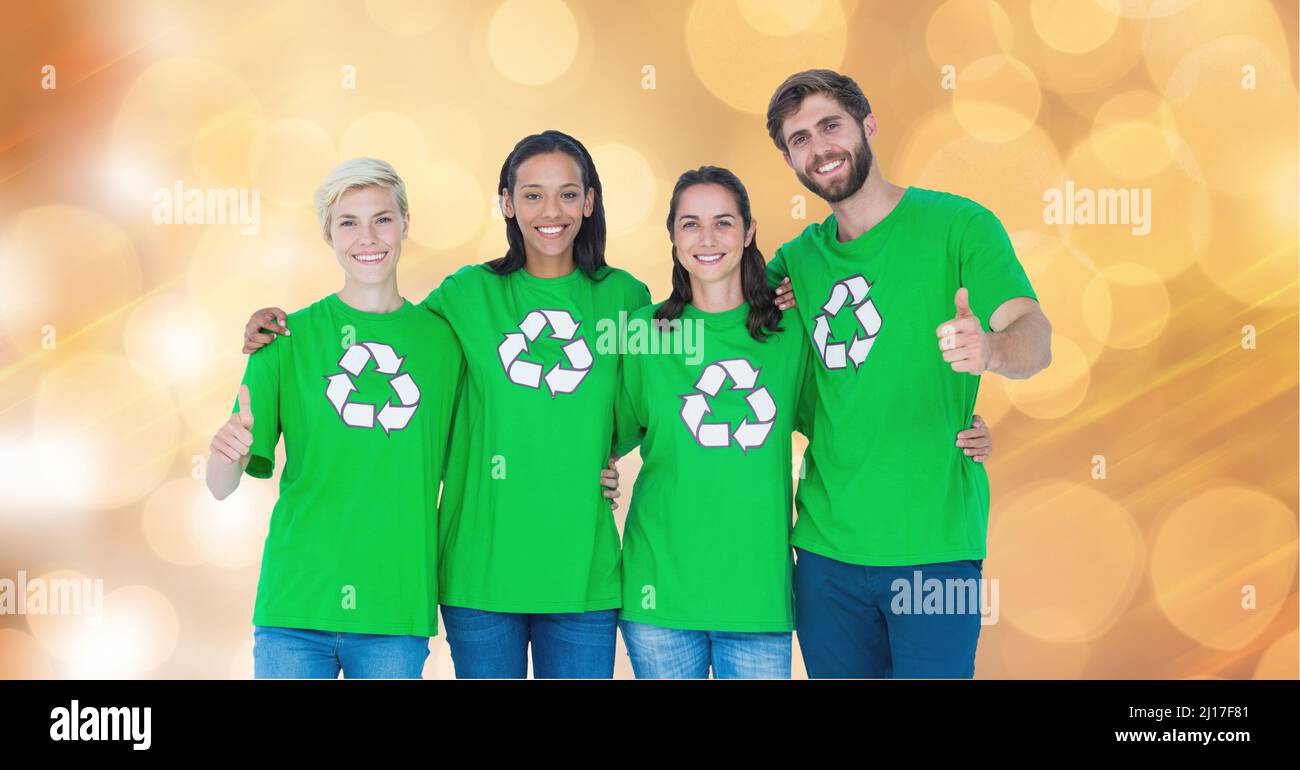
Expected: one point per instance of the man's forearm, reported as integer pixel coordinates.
(1023, 349)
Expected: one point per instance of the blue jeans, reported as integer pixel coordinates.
(300, 653)
(674, 653)
(566, 645)
(887, 622)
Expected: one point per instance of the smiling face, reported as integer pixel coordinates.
(367, 230)
(548, 203)
(827, 148)
(709, 234)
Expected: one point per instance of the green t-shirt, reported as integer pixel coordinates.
(707, 540)
(523, 525)
(886, 485)
(364, 402)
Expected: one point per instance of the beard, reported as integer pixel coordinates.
(859, 162)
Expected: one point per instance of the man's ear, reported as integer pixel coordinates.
(786, 154)
(507, 205)
(869, 126)
(589, 205)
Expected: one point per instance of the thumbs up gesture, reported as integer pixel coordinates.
(963, 341)
(233, 442)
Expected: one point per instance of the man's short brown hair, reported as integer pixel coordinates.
(785, 102)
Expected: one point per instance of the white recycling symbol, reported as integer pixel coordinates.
(695, 405)
(391, 416)
(836, 355)
(560, 379)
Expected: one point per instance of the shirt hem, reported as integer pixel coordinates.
(589, 605)
(317, 624)
(737, 626)
(886, 560)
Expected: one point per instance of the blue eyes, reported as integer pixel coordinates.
(350, 222)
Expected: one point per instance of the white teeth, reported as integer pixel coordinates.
(826, 167)
(369, 259)
(551, 230)
(708, 259)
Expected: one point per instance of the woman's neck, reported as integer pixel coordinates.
(545, 266)
(717, 296)
(372, 298)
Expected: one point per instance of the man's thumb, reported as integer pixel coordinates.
(245, 408)
(962, 302)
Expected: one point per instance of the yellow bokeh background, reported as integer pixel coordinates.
(1144, 487)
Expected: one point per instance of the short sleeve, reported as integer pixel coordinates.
(989, 269)
(262, 376)
(777, 270)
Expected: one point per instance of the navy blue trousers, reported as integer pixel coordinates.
(919, 621)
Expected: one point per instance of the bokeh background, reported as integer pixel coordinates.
(1175, 366)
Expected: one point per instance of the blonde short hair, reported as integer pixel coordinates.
(354, 174)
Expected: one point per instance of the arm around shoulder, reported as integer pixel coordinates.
(777, 270)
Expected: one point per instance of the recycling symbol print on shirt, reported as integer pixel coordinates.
(559, 378)
(850, 292)
(749, 434)
(392, 415)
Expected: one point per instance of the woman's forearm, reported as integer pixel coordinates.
(223, 476)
